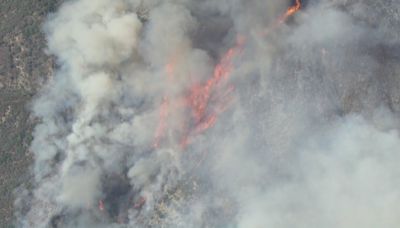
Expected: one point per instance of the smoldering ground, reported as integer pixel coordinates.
(299, 130)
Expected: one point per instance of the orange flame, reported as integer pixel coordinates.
(198, 99)
(290, 11)
(200, 96)
(214, 90)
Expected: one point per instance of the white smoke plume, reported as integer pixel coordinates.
(206, 113)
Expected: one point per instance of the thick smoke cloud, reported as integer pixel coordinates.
(306, 131)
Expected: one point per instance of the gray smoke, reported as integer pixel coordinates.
(309, 137)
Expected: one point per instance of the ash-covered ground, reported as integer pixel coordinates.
(205, 113)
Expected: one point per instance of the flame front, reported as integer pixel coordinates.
(198, 98)
(291, 11)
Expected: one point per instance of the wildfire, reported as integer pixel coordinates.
(199, 96)
(204, 101)
(197, 100)
(291, 11)
(215, 89)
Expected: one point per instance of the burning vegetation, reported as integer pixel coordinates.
(198, 114)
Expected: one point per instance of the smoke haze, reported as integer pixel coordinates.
(187, 113)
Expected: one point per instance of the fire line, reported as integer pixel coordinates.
(199, 96)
